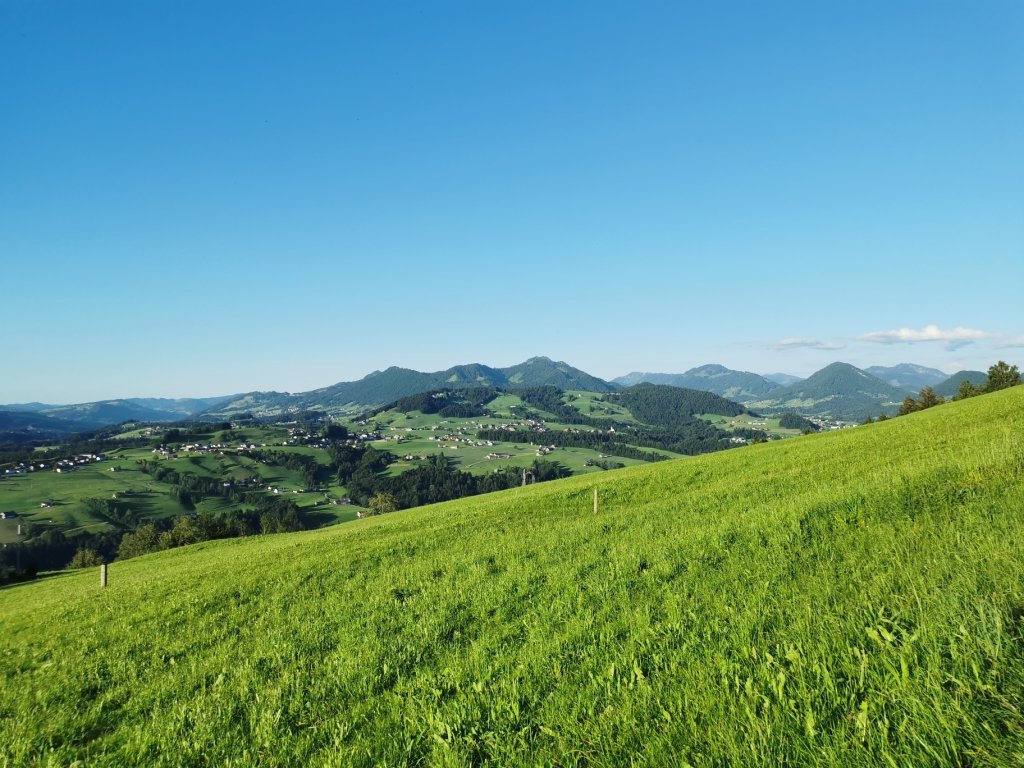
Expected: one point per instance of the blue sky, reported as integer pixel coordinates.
(203, 198)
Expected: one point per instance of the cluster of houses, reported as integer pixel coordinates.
(457, 438)
(69, 465)
(60, 466)
(527, 425)
(829, 424)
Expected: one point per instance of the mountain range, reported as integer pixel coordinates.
(733, 385)
(382, 387)
(839, 390)
(907, 376)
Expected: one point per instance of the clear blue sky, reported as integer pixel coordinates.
(210, 197)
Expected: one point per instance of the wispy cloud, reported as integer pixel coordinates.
(808, 343)
(953, 338)
(1008, 343)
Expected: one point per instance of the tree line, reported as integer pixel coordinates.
(362, 470)
(1001, 375)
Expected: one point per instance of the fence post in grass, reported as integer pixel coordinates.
(595, 501)
(103, 575)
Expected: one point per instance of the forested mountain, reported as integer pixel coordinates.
(950, 386)
(907, 376)
(663, 405)
(538, 371)
(134, 409)
(373, 390)
(838, 390)
(382, 387)
(20, 426)
(733, 385)
(69, 418)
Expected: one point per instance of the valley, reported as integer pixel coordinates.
(320, 471)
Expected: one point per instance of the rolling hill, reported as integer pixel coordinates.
(847, 599)
(740, 386)
(838, 390)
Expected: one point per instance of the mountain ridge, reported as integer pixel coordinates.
(381, 387)
(740, 386)
(908, 376)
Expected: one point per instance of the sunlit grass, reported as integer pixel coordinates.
(844, 599)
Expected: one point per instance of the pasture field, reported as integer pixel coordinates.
(853, 598)
(594, 404)
(66, 493)
(769, 424)
(420, 435)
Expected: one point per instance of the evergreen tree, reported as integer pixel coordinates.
(1002, 376)
(966, 390)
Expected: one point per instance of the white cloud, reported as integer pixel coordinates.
(808, 343)
(954, 338)
(1017, 342)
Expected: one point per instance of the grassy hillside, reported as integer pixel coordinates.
(847, 599)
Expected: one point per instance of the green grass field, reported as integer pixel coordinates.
(67, 493)
(846, 599)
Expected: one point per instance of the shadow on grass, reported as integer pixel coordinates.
(44, 576)
(318, 519)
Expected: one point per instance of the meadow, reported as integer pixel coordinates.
(67, 494)
(845, 599)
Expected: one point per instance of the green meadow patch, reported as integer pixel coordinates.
(846, 599)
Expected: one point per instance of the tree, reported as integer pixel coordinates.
(336, 432)
(966, 390)
(928, 399)
(909, 405)
(383, 502)
(1002, 376)
(145, 538)
(85, 558)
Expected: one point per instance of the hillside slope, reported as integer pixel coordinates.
(847, 599)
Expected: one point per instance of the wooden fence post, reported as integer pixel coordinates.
(103, 575)
(595, 501)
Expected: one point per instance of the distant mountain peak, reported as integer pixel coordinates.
(839, 389)
(711, 369)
